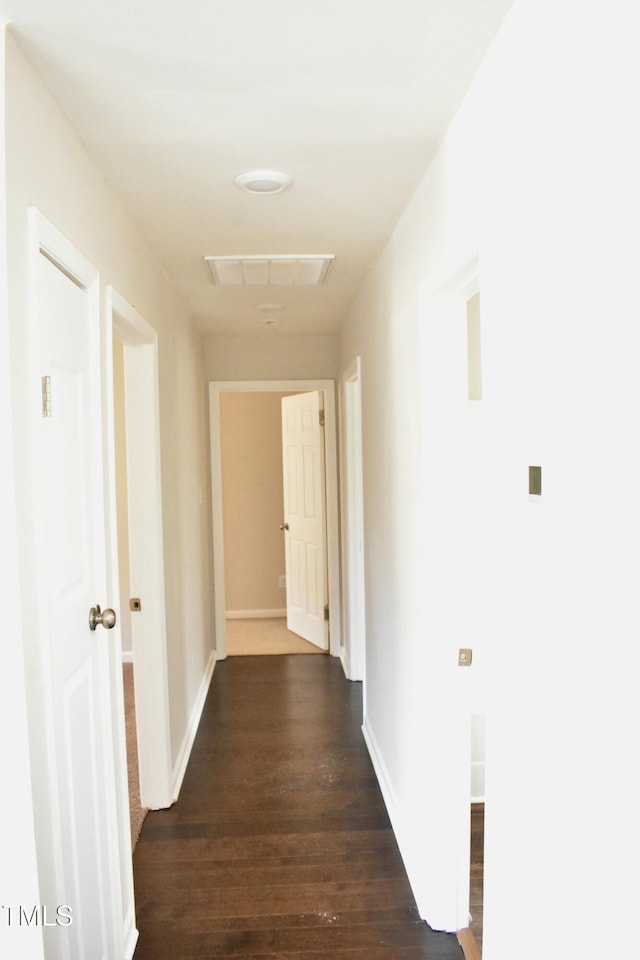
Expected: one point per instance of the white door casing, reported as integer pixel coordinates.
(303, 476)
(81, 868)
(158, 786)
(354, 596)
(458, 428)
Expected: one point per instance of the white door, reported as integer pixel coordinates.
(304, 516)
(74, 578)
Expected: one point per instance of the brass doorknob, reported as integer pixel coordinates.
(284, 526)
(105, 617)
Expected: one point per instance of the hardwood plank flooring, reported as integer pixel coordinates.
(471, 937)
(279, 846)
(476, 893)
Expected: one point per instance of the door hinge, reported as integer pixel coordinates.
(326, 612)
(46, 396)
(321, 417)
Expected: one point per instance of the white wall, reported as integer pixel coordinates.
(18, 868)
(47, 167)
(537, 176)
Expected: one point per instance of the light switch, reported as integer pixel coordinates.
(135, 604)
(465, 656)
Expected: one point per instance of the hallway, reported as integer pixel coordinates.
(280, 844)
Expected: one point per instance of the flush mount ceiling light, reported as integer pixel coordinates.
(307, 270)
(262, 181)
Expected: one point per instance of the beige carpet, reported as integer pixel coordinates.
(248, 638)
(137, 812)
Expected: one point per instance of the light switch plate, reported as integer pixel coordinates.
(465, 656)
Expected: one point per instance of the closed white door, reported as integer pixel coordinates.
(82, 772)
(305, 517)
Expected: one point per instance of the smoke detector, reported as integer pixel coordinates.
(262, 181)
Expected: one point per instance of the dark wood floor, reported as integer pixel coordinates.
(476, 896)
(280, 845)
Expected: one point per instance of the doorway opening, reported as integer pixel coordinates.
(476, 846)
(137, 569)
(455, 424)
(137, 811)
(275, 601)
(253, 526)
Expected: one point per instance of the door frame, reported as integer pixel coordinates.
(16, 872)
(443, 300)
(354, 661)
(146, 550)
(328, 388)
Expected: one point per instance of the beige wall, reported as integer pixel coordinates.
(48, 167)
(251, 447)
(271, 358)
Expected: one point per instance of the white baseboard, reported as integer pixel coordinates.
(343, 661)
(255, 614)
(381, 773)
(192, 727)
(130, 946)
(438, 916)
(127, 656)
(402, 831)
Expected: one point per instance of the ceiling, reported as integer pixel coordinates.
(172, 100)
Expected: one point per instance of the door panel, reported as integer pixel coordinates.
(305, 515)
(74, 576)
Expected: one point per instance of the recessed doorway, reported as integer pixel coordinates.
(327, 390)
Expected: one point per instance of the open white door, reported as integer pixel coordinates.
(305, 516)
(83, 873)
